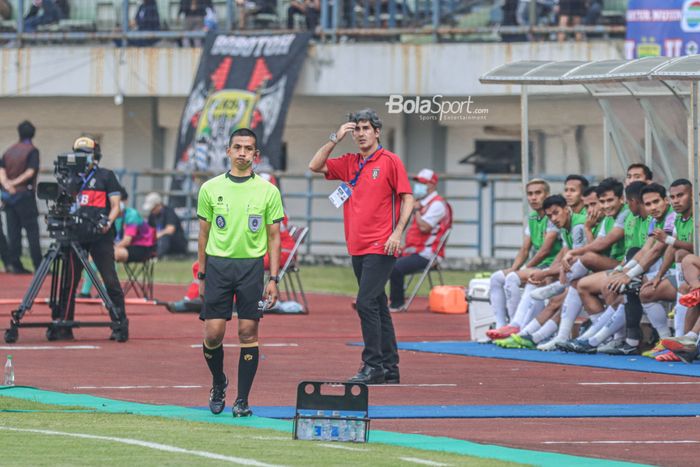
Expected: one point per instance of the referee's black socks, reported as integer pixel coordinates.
(247, 367)
(215, 361)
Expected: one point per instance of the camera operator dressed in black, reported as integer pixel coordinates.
(98, 200)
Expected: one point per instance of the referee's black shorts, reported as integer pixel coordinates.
(226, 278)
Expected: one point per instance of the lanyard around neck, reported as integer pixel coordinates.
(364, 162)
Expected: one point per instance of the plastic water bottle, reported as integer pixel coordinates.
(9, 378)
(317, 432)
(360, 431)
(304, 428)
(335, 427)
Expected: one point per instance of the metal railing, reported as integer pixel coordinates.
(451, 20)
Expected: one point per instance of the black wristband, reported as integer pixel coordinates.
(275, 278)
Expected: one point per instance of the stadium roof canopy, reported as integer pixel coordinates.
(648, 105)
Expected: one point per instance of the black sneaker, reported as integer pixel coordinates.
(121, 333)
(84, 295)
(688, 357)
(567, 346)
(240, 409)
(625, 349)
(583, 346)
(217, 397)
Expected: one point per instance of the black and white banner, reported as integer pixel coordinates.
(242, 81)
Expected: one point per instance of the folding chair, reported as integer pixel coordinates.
(433, 265)
(140, 277)
(290, 269)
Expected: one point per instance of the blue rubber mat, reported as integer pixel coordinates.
(507, 411)
(613, 362)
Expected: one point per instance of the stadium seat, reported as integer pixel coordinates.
(290, 270)
(432, 266)
(140, 277)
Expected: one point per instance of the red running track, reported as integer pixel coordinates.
(164, 352)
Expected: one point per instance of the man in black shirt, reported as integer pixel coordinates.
(99, 196)
(171, 237)
(19, 167)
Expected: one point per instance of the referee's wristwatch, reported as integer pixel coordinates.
(201, 276)
(333, 138)
(275, 278)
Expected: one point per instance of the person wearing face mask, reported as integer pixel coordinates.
(98, 200)
(431, 218)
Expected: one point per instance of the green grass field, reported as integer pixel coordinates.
(38, 434)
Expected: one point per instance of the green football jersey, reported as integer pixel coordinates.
(239, 213)
(684, 229)
(575, 235)
(537, 228)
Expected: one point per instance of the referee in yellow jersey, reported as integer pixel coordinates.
(239, 220)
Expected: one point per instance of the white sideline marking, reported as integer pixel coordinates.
(625, 383)
(291, 344)
(139, 387)
(345, 448)
(665, 441)
(49, 347)
(415, 460)
(145, 444)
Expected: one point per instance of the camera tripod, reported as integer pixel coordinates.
(57, 262)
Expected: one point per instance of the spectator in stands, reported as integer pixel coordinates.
(136, 239)
(594, 10)
(64, 6)
(171, 237)
(42, 12)
(310, 9)
(19, 167)
(194, 12)
(431, 218)
(5, 10)
(146, 19)
(570, 13)
(248, 8)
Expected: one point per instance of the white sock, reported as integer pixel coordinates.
(619, 334)
(594, 318)
(692, 335)
(512, 290)
(547, 329)
(528, 308)
(599, 323)
(657, 317)
(532, 327)
(614, 324)
(521, 310)
(570, 309)
(679, 319)
(578, 270)
(497, 297)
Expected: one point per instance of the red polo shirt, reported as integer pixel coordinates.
(368, 212)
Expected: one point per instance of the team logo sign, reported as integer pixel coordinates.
(220, 222)
(254, 222)
(375, 173)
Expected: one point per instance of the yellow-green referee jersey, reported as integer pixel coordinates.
(238, 213)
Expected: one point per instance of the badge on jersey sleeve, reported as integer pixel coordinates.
(254, 222)
(340, 195)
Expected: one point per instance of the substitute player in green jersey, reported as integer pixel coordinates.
(239, 221)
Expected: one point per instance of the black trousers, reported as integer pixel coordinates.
(633, 308)
(405, 265)
(372, 272)
(102, 252)
(23, 215)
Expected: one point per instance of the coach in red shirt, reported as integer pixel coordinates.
(377, 201)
